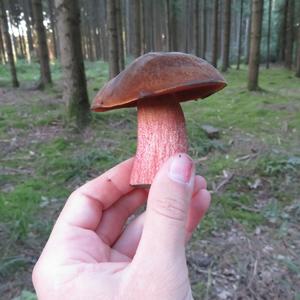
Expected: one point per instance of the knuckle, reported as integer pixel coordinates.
(203, 182)
(74, 195)
(35, 274)
(171, 207)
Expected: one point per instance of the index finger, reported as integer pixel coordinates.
(84, 207)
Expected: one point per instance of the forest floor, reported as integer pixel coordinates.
(248, 245)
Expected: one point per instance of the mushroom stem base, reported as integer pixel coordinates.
(161, 134)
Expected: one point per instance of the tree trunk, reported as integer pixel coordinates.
(89, 39)
(137, 28)
(102, 14)
(21, 41)
(143, 28)
(197, 29)
(168, 24)
(187, 25)
(75, 89)
(249, 35)
(282, 33)
(52, 26)
(298, 54)
(128, 27)
(149, 26)
(204, 29)
(289, 35)
(28, 21)
(93, 9)
(148, 29)
(226, 40)
(42, 43)
(158, 27)
(83, 44)
(124, 28)
(174, 25)
(240, 36)
(14, 40)
(9, 50)
(92, 29)
(2, 50)
(214, 59)
(269, 35)
(120, 36)
(112, 39)
(254, 58)
(153, 27)
(87, 30)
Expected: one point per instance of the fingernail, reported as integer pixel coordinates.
(181, 168)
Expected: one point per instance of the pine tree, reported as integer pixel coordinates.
(226, 39)
(112, 39)
(215, 37)
(27, 9)
(298, 54)
(269, 34)
(240, 35)
(8, 45)
(197, 37)
(43, 52)
(288, 55)
(254, 57)
(75, 90)
(204, 29)
(137, 28)
(52, 25)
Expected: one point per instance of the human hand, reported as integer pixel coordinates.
(90, 255)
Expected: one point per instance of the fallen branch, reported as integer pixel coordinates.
(246, 157)
(7, 170)
(225, 181)
(201, 159)
(200, 271)
(251, 209)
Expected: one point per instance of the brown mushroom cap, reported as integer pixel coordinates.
(184, 76)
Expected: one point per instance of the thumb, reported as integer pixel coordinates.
(163, 236)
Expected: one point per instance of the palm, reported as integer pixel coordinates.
(89, 253)
(85, 246)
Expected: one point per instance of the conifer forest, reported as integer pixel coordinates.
(55, 56)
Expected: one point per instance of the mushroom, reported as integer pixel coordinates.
(156, 83)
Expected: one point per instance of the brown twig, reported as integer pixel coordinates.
(251, 209)
(246, 157)
(225, 181)
(209, 272)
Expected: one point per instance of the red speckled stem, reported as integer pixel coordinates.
(161, 134)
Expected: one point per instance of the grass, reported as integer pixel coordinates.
(67, 157)
(43, 160)
(27, 72)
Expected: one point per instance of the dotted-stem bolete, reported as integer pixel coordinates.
(156, 83)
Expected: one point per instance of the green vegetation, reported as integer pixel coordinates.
(26, 295)
(42, 160)
(27, 72)
(262, 125)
